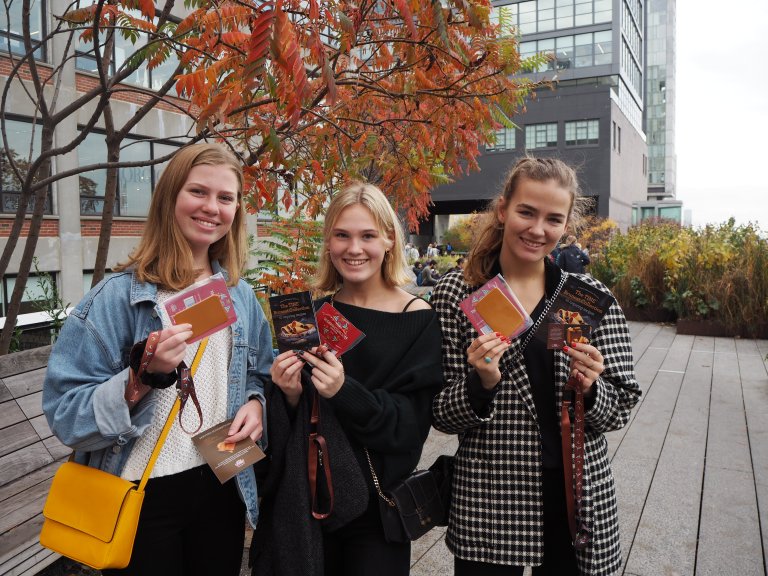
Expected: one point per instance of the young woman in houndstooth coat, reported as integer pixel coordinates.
(503, 399)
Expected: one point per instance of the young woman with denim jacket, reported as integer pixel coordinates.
(190, 523)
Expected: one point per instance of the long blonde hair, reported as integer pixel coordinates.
(487, 245)
(163, 256)
(370, 197)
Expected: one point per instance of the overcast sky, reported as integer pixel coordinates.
(722, 110)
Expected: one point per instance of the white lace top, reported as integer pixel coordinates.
(179, 453)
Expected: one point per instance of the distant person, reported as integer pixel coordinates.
(414, 254)
(449, 249)
(430, 275)
(571, 257)
(418, 267)
(460, 263)
(432, 251)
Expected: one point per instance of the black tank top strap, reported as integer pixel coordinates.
(411, 301)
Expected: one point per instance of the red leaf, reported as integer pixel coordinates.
(405, 14)
(147, 8)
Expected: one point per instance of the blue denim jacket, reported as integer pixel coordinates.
(83, 394)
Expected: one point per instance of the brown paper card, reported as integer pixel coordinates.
(204, 316)
(226, 458)
(500, 314)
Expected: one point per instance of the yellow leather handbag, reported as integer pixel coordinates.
(91, 516)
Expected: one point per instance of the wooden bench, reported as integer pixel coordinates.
(29, 457)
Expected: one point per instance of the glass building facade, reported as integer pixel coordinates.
(593, 120)
(660, 99)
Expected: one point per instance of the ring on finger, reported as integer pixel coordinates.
(487, 359)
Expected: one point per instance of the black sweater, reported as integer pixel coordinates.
(392, 375)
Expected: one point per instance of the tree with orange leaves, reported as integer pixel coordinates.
(401, 93)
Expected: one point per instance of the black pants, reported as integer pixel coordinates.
(190, 525)
(359, 548)
(559, 556)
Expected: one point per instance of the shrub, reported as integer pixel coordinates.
(717, 272)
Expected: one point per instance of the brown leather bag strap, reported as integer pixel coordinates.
(186, 387)
(317, 456)
(136, 389)
(573, 462)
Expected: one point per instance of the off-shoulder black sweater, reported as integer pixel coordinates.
(392, 375)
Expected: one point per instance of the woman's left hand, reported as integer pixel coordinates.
(327, 371)
(247, 422)
(586, 364)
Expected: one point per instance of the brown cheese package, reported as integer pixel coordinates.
(494, 308)
(204, 316)
(499, 313)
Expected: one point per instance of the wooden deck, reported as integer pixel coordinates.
(691, 467)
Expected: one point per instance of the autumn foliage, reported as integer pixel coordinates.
(400, 93)
(311, 93)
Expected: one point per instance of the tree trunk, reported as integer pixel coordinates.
(110, 197)
(25, 265)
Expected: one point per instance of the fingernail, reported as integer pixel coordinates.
(299, 352)
(497, 334)
(565, 348)
(308, 363)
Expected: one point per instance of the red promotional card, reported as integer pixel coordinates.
(196, 306)
(336, 332)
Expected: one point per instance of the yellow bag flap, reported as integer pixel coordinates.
(86, 499)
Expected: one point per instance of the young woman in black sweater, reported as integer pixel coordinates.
(380, 391)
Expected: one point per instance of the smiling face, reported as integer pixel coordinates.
(357, 247)
(534, 219)
(206, 206)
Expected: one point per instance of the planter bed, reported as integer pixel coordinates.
(714, 328)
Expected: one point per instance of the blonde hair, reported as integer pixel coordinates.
(370, 197)
(163, 256)
(487, 244)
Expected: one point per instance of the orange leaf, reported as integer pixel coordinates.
(405, 14)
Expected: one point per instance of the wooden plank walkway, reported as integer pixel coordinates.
(691, 467)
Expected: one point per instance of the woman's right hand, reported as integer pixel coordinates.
(171, 348)
(484, 354)
(286, 373)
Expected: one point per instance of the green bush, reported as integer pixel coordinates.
(717, 272)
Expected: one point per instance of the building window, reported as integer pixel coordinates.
(547, 15)
(505, 140)
(11, 25)
(34, 294)
(541, 136)
(22, 135)
(135, 184)
(582, 132)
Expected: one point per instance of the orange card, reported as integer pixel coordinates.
(500, 314)
(206, 317)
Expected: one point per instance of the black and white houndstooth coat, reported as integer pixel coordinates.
(496, 511)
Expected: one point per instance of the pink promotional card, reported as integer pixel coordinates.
(336, 332)
(183, 307)
(515, 313)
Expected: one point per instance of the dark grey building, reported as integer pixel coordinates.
(593, 119)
